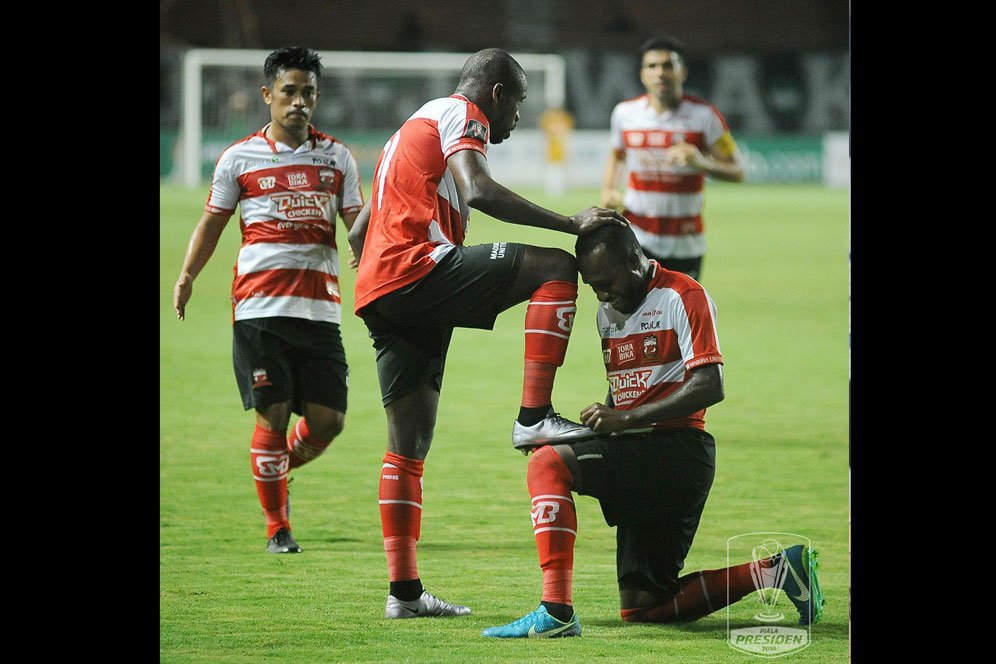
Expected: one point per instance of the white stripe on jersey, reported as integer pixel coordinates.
(692, 245)
(289, 305)
(280, 256)
(656, 204)
(448, 189)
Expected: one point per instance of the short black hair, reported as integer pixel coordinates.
(618, 239)
(487, 67)
(291, 57)
(663, 43)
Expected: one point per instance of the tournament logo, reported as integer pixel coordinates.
(768, 623)
(476, 130)
(259, 379)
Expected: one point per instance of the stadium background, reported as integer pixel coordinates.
(779, 70)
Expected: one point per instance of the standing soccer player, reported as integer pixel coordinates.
(290, 181)
(417, 281)
(666, 142)
(663, 363)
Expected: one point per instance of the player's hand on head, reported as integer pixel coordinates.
(601, 418)
(590, 219)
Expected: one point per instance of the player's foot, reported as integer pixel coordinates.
(536, 625)
(282, 542)
(426, 606)
(802, 585)
(551, 429)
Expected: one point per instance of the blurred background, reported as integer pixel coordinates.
(778, 70)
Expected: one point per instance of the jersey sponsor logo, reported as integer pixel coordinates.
(296, 205)
(606, 355)
(656, 138)
(497, 248)
(650, 325)
(477, 130)
(629, 386)
(635, 138)
(565, 317)
(626, 352)
(272, 466)
(259, 379)
(390, 477)
(267, 182)
(545, 511)
(655, 312)
(297, 179)
(327, 161)
(650, 345)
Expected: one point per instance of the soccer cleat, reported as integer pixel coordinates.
(536, 625)
(551, 429)
(426, 606)
(802, 585)
(282, 542)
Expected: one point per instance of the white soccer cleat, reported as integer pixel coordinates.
(551, 429)
(426, 606)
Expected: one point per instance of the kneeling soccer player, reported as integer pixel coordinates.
(663, 362)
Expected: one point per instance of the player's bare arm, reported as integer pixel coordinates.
(358, 234)
(723, 161)
(203, 242)
(703, 388)
(614, 168)
(348, 220)
(473, 177)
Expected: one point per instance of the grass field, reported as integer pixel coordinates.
(777, 269)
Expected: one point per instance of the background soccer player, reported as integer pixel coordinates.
(290, 181)
(663, 363)
(666, 142)
(417, 281)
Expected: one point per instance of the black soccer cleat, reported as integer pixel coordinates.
(282, 542)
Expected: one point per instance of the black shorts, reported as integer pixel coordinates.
(690, 266)
(653, 487)
(289, 359)
(412, 326)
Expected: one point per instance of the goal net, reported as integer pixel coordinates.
(365, 96)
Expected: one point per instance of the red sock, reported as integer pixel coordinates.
(549, 319)
(401, 514)
(270, 465)
(699, 594)
(555, 522)
(303, 446)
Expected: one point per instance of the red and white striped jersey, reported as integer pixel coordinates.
(649, 353)
(664, 202)
(288, 264)
(417, 214)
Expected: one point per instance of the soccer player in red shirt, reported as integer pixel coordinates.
(290, 181)
(417, 281)
(663, 363)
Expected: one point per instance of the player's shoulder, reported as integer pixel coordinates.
(254, 141)
(696, 104)
(638, 102)
(672, 280)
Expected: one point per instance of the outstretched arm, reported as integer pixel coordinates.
(473, 177)
(702, 389)
(203, 242)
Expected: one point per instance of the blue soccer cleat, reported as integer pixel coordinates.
(536, 625)
(802, 585)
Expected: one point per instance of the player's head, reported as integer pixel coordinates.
(611, 261)
(290, 86)
(494, 81)
(662, 68)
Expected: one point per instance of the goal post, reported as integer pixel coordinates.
(417, 64)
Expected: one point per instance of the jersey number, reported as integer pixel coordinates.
(385, 163)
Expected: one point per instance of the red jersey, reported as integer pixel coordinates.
(416, 212)
(288, 264)
(649, 353)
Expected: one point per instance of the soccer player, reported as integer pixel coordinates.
(290, 181)
(417, 281)
(666, 142)
(663, 363)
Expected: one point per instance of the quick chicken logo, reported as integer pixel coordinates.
(628, 386)
(294, 205)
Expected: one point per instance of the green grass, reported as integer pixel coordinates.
(777, 269)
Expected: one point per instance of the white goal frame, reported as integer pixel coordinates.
(552, 65)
